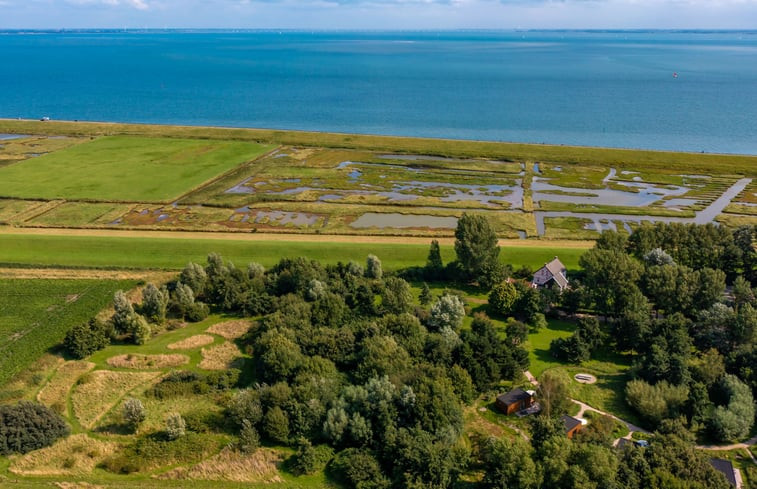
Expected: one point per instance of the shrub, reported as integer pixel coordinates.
(276, 425)
(134, 412)
(28, 426)
(359, 469)
(310, 459)
(86, 338)
(175, 426)
(373, 267)
(249, 440)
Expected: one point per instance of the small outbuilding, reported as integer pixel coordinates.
(553, 271)
(572, 425)
(515, 400)
(725, 467)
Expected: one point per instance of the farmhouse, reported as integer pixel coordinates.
(553, 271)
(572, 425)
(515, 400)
(725, 467)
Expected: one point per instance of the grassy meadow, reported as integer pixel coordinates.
(36, 314)
(125, 169)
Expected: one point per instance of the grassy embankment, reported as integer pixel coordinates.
(171, 253)
(687, 162)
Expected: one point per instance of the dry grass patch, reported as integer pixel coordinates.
(54, 393)
(220, 357)
(137, 361)
(77, 485)
(231, 330)
(98, 391)
(75, 455)
(231, 465)
(195, 341)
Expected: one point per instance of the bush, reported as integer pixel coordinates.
(183, 383)
(359, 469)
(502, 299)
(276, 425)
(86, 338)
(134, 412)
(175, 426)
(249, 440)
(29, 426)
(310, 459)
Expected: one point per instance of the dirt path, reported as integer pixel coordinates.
(316, 238)
(84, 274)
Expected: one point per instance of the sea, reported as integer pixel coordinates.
(666, 90)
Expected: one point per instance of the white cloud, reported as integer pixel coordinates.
(137, 4)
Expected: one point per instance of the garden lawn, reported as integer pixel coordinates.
(36, 314)
(538, 345)
(174, 253)
(125, 168)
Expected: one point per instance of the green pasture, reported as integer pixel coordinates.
(36, 314)
(173, 253)
(125, 169)
(567, 155)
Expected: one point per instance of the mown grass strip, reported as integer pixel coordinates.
(173, 253)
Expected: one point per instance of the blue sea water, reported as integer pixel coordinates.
(587, 88)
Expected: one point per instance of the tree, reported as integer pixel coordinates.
(310, 459)
(612, 241)
(508, 465)
(657, 257)
(373, 267)
(610, 277)
(154, 303)
(734, 421)
(434, 265)
(447, 312)
(475, 245)
(249, 440)
(552, 392)
(194, 277)
(134, 413)
(28, 426)
(396, 297)
(502, 299)
(276, 425)
(86, 338)
(425, 297)
(123, 312)
(176, 427)
(358, 468)
(656, 402)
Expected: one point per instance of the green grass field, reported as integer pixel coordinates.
(172, 253)
(687, 162)
(36, 314)
(125, 169)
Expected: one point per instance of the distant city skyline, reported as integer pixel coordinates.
(380, 14)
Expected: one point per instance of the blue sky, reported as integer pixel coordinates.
(380, 14)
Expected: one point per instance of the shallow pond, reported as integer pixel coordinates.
(8, 137)
(394, 220)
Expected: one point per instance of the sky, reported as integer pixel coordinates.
(380, 14)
